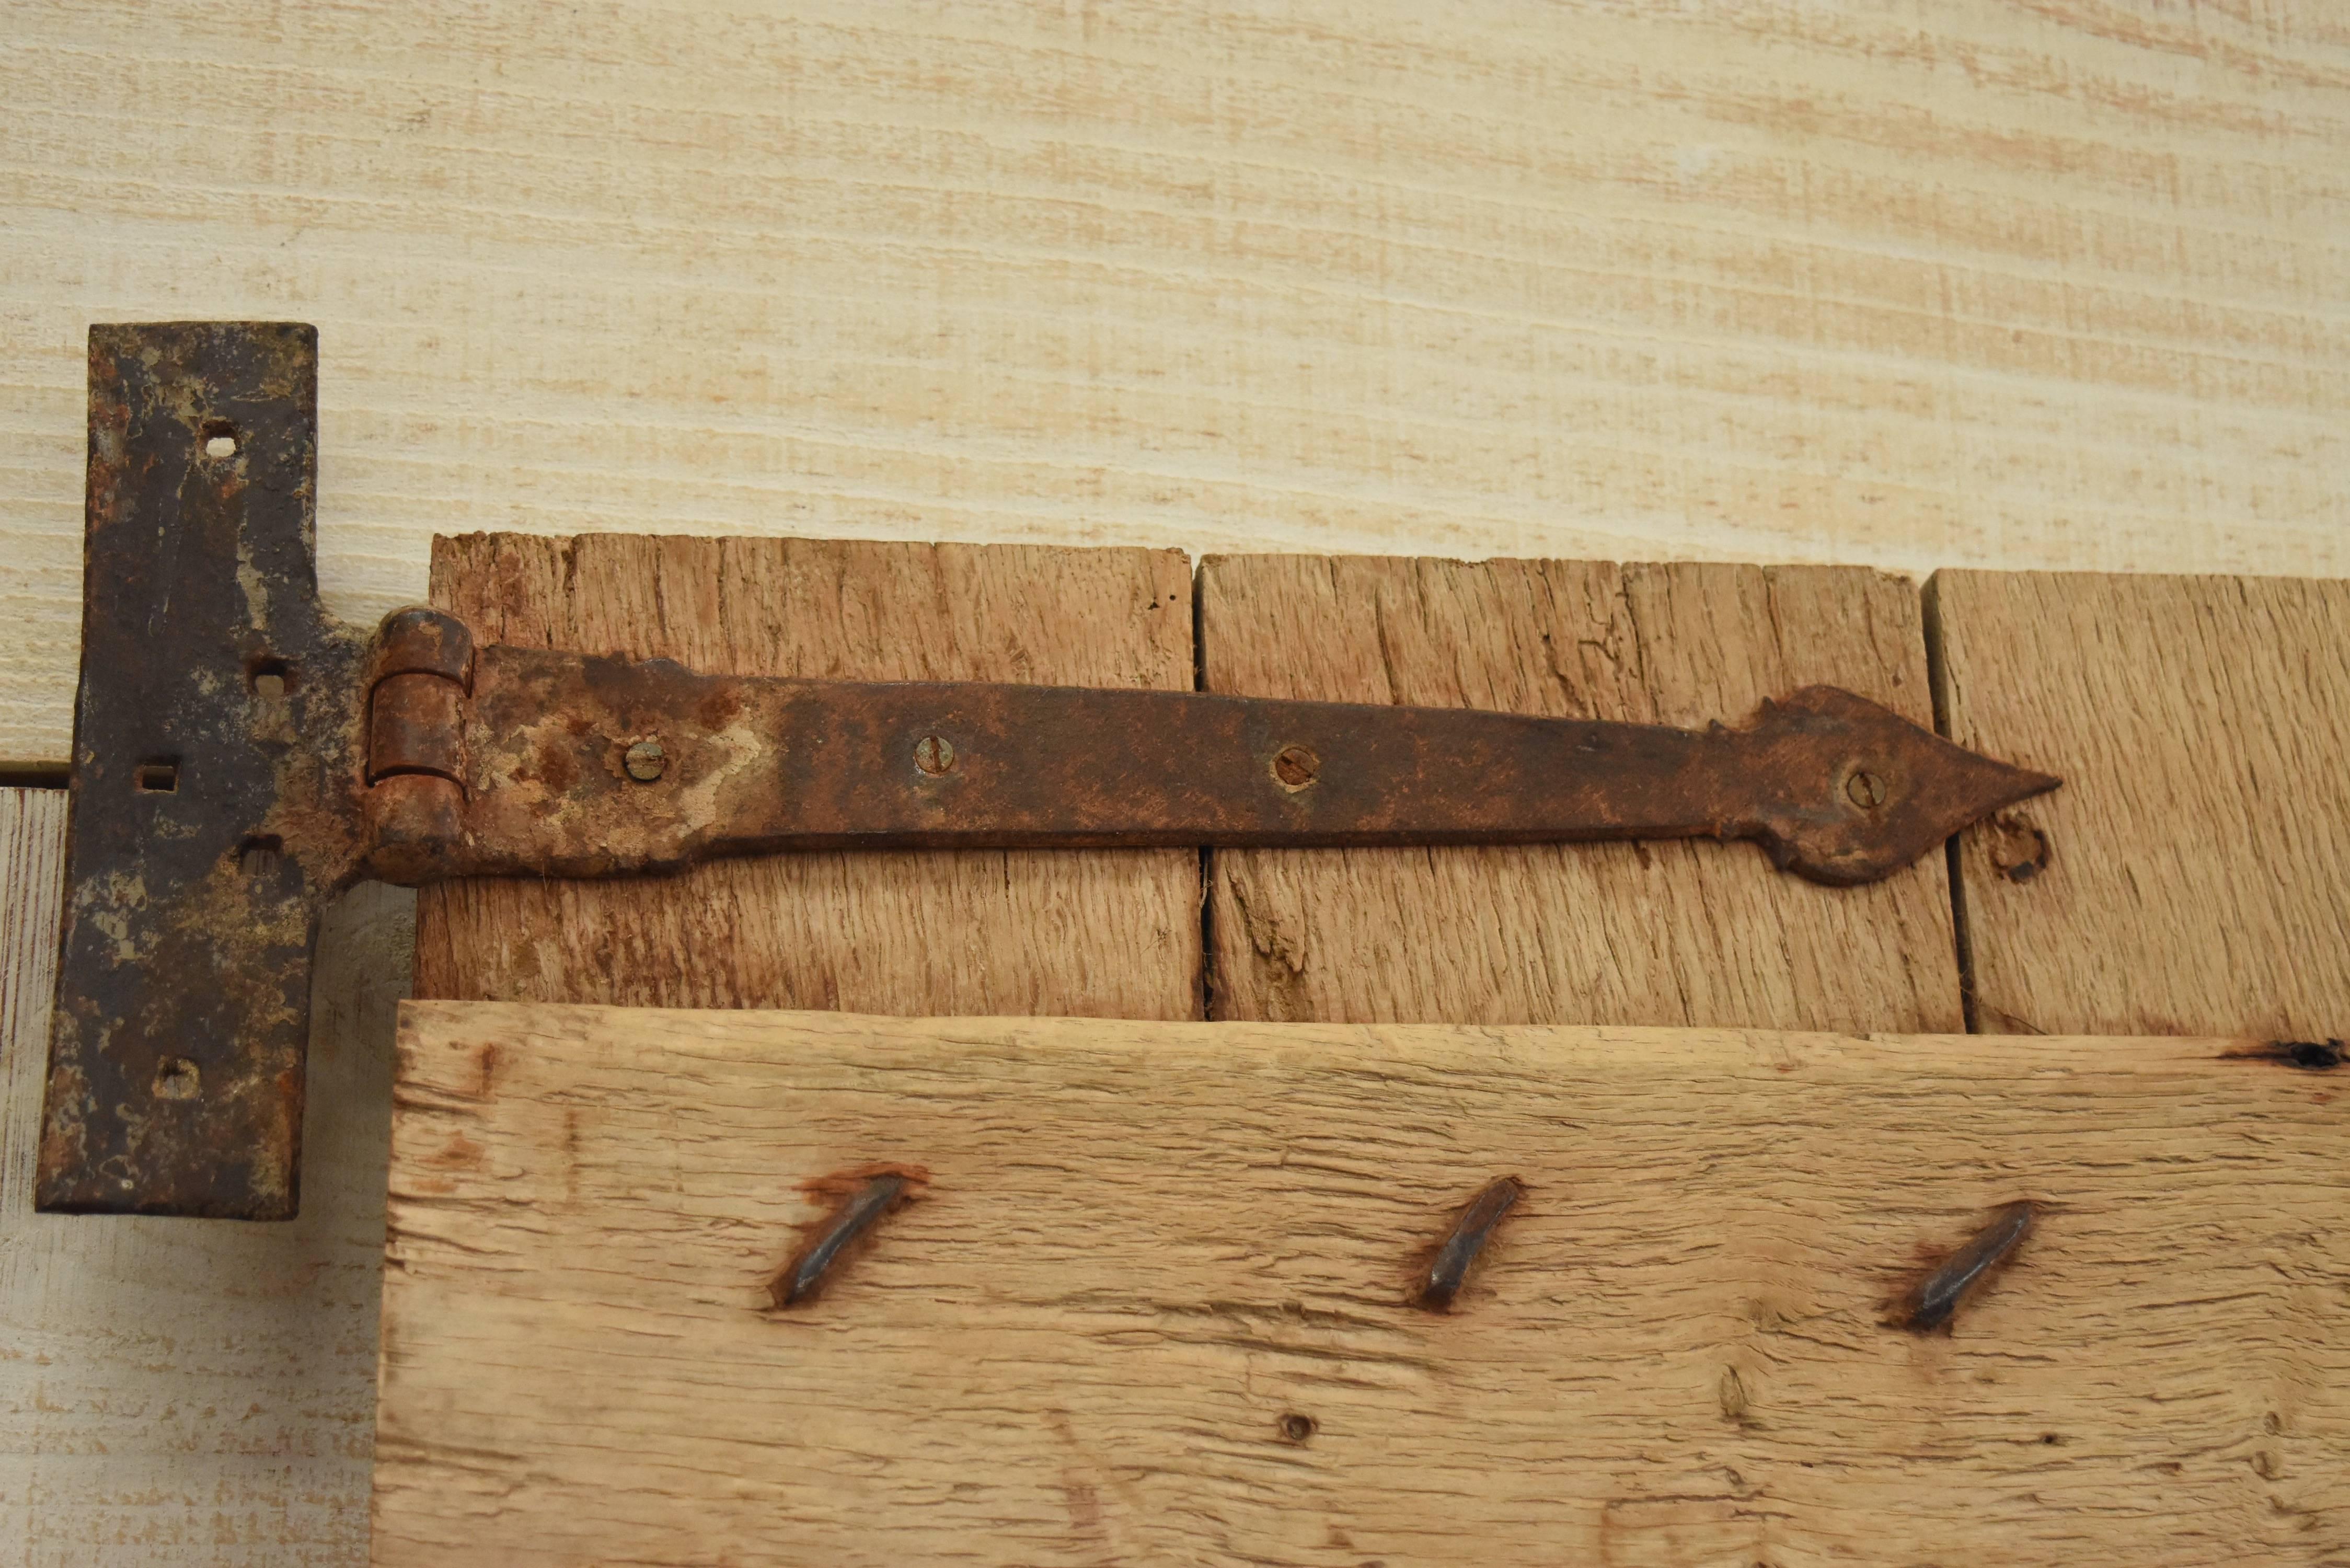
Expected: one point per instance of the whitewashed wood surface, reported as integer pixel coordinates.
(1951, 282)
(187, 1391)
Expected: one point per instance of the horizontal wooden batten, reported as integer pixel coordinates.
(1149, 1293)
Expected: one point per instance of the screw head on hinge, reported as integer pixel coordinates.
(1295, 768)
(646, 760)
(935, 755)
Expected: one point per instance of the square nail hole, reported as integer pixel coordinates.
(160, 777)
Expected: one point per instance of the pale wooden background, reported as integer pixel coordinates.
(1943, 282)
(1951, 282)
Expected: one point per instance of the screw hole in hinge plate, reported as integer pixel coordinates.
(268, 676)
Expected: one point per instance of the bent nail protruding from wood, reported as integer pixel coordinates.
(1930, 1303)
(2309, 1055)
(1467, 1240)
(872, 1196)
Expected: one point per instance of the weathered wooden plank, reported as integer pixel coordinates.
(2193, 875)
(1679, 933)
(1105, 933)
(1145, 1248)
(186, 1391)
(1971, 281)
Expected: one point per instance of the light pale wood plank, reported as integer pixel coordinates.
(1144, 1245)
(1672, 933)
(2193, 875)
(1959, 282)
(182, 1391)
(1115, 934)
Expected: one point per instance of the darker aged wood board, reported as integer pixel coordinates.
(1669, 933)
(2193, 875)
(1098, 932)
(1673, 933)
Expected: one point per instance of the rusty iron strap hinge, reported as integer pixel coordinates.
(239, 758)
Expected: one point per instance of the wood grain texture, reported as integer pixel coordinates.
(1108, 933)
(1669, 933)
(2190, 876)
(1143, 1246)
(196, 1392)
(1955, 281)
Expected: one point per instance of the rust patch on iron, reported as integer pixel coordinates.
(213, 804)
(825, 764)
(718, 709)
(551, 765)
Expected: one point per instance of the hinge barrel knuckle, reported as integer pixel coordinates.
(422, 641)
(415, 823)
(420, 674)
(415, 726)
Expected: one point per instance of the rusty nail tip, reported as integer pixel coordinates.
(2309, 1055)
(1934, 1301)
(1468, 1238)
(805, 1275)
